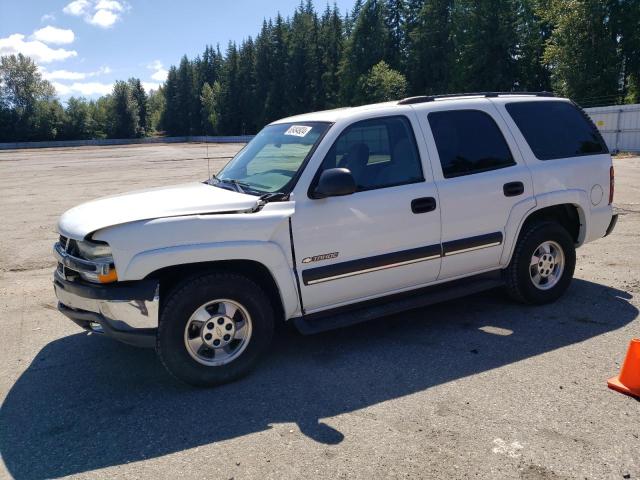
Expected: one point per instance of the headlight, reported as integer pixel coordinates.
(94, 251)
(100, 254)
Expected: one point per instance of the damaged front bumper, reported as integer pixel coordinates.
(125, 311)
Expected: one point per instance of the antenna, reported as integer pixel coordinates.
(206, 142)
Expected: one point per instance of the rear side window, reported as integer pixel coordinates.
(556, 129)
(468, 142)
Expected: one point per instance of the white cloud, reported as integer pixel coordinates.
(88, 89)
(68, 75)
(160, 73)
(63, 75)
(78, 8)
(148, 86)
(112, 5)
(103, 13)
(58, 36)
(47, 17)
(103, 18)
(37, 50)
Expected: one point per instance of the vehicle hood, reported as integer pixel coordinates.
(173, 201)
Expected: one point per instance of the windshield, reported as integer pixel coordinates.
(273, 158)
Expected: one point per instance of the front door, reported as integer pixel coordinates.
(383, 238)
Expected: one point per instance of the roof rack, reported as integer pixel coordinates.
(431, 98)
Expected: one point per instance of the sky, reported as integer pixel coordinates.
(83, 46)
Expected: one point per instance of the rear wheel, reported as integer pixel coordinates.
(542, 265)
(213, 328)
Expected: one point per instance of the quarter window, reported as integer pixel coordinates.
(468, 141)
(379, 153)
(555, 129)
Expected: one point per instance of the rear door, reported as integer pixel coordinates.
(480, 176)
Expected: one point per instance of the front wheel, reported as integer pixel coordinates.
(213, 328)
(542, 265)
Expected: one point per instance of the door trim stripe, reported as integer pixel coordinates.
(313, 276)
(472, 243)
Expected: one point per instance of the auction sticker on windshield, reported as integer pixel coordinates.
(298, 130)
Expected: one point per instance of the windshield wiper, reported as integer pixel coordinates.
(270, 197)
(237, 185)
(273, 197)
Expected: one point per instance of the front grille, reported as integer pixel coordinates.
(71, 247)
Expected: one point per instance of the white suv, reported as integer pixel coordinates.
(332, 218)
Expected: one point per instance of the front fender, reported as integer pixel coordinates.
(268, 254)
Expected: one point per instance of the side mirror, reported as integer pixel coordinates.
(335, 182)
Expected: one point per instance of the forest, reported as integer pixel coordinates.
(588, 50)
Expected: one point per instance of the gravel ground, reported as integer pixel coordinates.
(476, 388)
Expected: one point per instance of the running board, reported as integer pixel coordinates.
(381, 307)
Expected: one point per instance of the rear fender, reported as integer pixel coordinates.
(518, 217)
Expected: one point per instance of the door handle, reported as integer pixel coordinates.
(423, 205)
(513, 189)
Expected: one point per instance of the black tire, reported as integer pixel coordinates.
(185, 299)
(517, 275)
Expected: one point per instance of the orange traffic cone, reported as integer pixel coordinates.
(628, 382)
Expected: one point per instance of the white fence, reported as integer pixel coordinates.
(619, 125)
(126, 141)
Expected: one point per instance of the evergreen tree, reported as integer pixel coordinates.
(365, 47)
(210, 65)
(626, 15)
(394, 21)
(302, 74)
(276, 102)
(582, 52)
(430, 53)
(486, 41)
(263, 71)
(230, 116)
(533, 32)
(247, 100)
(330, 45)
(170, 118)
(184, 96)
(142, 101)
(123, 112)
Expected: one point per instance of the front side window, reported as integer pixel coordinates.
(556, 129)
(468, 142)
(380, 153)
(272, 159)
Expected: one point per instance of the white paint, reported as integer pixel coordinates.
(511, 450)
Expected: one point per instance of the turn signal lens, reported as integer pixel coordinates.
(611, 184)
(110, 277)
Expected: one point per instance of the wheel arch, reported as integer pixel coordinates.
(171, 276)
(568, 214)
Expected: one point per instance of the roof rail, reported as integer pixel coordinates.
(431, 98)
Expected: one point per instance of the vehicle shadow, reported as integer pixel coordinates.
(88, 403)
